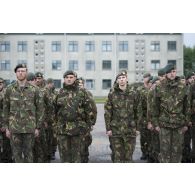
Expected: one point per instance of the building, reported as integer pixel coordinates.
(95, 56)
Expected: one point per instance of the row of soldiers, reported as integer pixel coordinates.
(161, 109)
(35, 118)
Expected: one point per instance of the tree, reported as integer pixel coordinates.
(189, 59)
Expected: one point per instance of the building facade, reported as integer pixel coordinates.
(97, 57)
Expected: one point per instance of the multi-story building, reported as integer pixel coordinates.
(95, 56)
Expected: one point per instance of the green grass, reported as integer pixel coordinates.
(100, 100)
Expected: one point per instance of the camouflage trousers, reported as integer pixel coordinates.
(69, 148)
(86, 141)
(49, 142)
(171, 145)
(155, 146)
(193, 143)
(6, 147)
(123, 148)
(186, 154)
(22, 147)
(40, 148)
(145, 140)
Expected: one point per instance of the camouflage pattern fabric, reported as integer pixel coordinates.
(120, 117)
(171, 112)
(23, 113)
(145, 134)
(74, 115)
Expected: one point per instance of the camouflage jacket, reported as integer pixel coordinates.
(2, 92)
(22, 110)
(172, 104)
(120, 111)
(74, 111)
(142, 105)
(150, 105)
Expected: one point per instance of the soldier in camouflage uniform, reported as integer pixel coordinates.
(41, 147)
(145, 134)
(171, 115)
(1, 115)
(120, 119)
(6, 152)
(186, 156)
(87, 138)
(73, 113)
(22, 113)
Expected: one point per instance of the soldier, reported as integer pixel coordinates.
(145, 134)
(183, 79)
(171, 115)
(87, 138)
(31, 78)
(186, 156)
(1, 115)
(22, 115)
(6, 153)
(74, 116)
(120, 119)
(40, 148)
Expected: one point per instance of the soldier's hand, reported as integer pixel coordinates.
(137, 133)
(150, 126)
(36, 133)
(157, 128)
(8, 133)
(190, 124)
(109, 133)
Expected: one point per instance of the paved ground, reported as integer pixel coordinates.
(99, 149)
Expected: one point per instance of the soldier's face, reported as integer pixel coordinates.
(39, 80)
(50, 85)
(146, 79)
(69, 79)
(161, 78)
(21, 74)
(183, 81)
(171, 75)
(81, 84)
(122, 80)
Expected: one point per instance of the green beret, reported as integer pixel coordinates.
(30, 76)
(69, 72)
(20, 66)
(161, 72)
(147, 74)
(49, 80)
(39, 74)
(169, 68)
(121, 73)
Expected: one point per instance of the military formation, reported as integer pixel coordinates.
(36, 119)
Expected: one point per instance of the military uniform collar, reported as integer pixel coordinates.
(16, 85)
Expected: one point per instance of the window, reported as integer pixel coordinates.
(56, 65)
(106, 83)
(22, 61)
(123, 64)
(106, 65)
(5, 46)
(155, 64)
(90, 65)
(57, 83)
(5, 65)
(123, 46)
(56, 46)
(172, 45)
(155, 46)
(73, 65)
(22, 46)
(90, 84)
(73, 46)
(89, 46)
(106, 46)
(172, 62)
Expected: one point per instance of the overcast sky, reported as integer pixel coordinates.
(189, 39)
